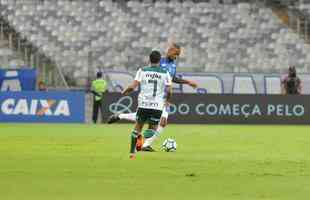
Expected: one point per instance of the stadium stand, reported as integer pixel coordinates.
(9, 58)
(301, 5)
(217, 35)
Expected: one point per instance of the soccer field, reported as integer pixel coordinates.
(62, 162)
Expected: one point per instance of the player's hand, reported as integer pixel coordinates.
(192, 84)
(125, 92)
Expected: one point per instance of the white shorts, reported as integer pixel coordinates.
(165, 112)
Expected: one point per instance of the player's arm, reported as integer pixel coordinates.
(134, 84)
(131, 87)
(179, 80)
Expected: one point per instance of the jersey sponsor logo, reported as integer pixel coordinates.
(153, 75)
(149, 104)
(35, 107)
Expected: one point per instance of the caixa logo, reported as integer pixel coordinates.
(35, 107)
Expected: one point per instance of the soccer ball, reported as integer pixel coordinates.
(169, 145)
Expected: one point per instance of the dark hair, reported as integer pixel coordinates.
(292, 71)
(155, 57)
(99, 74)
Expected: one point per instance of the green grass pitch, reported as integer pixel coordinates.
(75, 162)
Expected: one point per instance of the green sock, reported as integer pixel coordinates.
(149, 133)
(133, 143)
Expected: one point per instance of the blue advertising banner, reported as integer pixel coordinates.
(47, 107)
(18, 80)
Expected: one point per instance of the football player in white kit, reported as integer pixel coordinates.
(156, 90)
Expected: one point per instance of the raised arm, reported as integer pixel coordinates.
(131, 87)
(134, 84)
(180, 80)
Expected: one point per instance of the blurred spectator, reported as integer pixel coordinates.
(98, 88)
(42, 86)
(291, 84)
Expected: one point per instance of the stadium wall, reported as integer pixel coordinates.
(218, 83)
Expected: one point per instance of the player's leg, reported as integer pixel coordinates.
(134, 136)
(129, 116)
(140, 141)
(151, 134)
(148, 138)
(141, 118)
(116, 117)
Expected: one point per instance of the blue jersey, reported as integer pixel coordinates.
(169, 65)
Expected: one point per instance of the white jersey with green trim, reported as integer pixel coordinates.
(153, 81)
